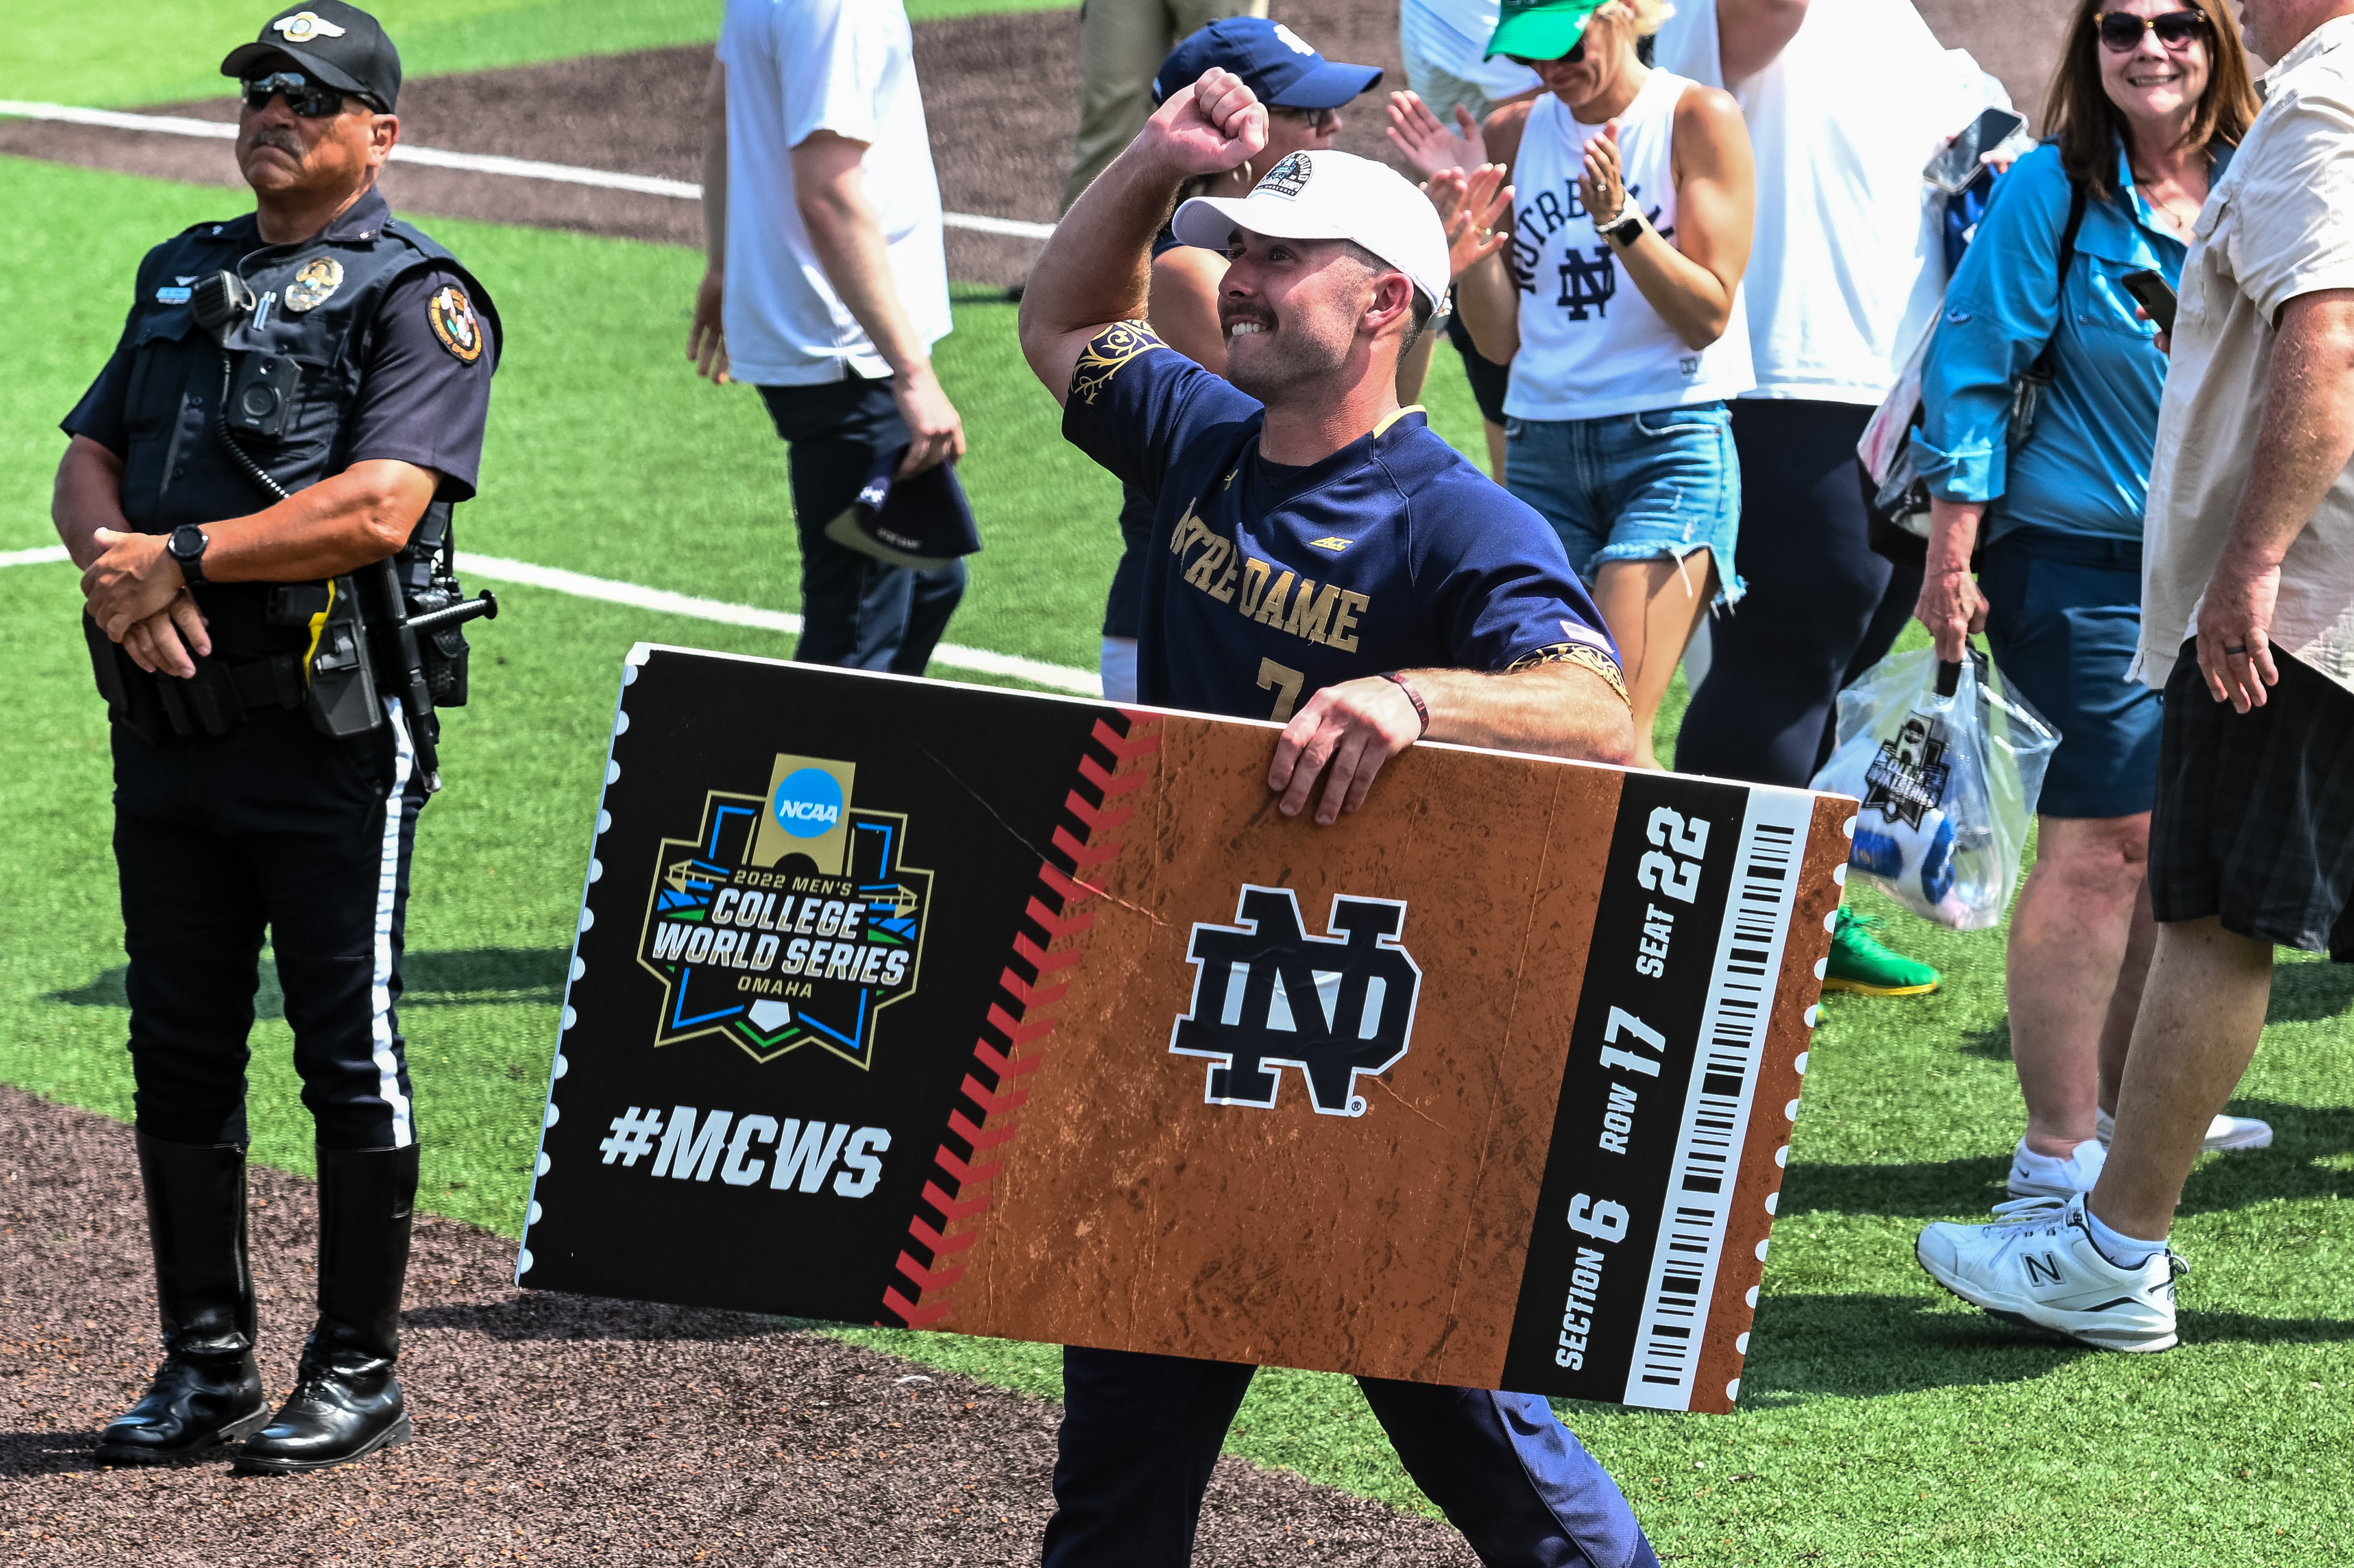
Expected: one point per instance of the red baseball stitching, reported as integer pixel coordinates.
(1086, 849)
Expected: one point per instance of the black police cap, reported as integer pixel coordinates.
(340, 45)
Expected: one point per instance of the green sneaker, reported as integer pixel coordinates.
(1859, 963)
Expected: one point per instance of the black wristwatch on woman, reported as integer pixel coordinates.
(186, 547)
(1627, 229)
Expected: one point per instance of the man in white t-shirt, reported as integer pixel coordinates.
(825, 286)
(1845, 100)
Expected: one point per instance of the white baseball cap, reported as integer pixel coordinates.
(1332, 196)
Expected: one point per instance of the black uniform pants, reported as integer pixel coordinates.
(1821, 607)
(272, 826)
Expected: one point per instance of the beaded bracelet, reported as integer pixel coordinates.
(1421, 709)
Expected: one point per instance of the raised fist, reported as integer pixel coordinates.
(1210, 127)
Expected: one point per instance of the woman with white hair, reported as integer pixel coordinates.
(1618, 306)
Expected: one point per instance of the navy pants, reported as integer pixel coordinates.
(1821, 607)
(1142, 1432)
(857, 612)
(272, 826)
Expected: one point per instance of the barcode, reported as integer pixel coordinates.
(1716, 1108)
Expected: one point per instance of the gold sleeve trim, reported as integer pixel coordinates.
(1584, 655)
(1105, 352)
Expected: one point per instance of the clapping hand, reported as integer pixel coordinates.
(1602, 184)
(1217, 126)
(1469, 205)
(1429, 146)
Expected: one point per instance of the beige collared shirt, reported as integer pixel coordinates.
(2280, 223)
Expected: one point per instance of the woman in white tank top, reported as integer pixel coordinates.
(1618, 305)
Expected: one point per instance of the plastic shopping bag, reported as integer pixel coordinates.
(1948, 767)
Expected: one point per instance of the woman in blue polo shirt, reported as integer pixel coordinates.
(2149, 101)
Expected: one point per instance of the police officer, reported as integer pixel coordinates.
(298, 396)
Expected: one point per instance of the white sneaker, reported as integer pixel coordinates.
(2036, 1175)
(2223, 1132)
(2037, 1265)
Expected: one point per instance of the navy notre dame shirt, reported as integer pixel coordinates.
(1265, 583)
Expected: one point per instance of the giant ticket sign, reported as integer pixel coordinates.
(931, 1005)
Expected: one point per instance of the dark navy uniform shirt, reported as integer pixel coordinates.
(1263, 583)
(422, 393)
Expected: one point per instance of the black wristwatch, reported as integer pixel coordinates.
(187, 548)
(1626, 230)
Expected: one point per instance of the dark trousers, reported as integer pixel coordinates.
(272, 826)
(1142, 1432)
(1821, 607)
(857, 612)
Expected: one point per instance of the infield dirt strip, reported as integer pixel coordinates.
(556, 1429)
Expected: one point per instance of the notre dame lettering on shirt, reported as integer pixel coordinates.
(1274, 581)
(1270, 595)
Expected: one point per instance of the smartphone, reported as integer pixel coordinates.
(1956, 163)
(2153, 294)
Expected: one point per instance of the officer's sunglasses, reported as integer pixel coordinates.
(1576, 53)
(306, 99)
(2122, 31)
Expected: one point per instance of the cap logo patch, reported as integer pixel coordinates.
(319, 276)
(1288, 177)
(1293, 40)
(304, 26)
(451, 317)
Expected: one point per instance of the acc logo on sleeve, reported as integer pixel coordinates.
(789, 920)
(1268, 995)
(451, 316)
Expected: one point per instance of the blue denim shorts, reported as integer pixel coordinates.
(1631, 487)
(2063, 618)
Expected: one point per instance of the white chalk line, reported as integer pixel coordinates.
(470, 162)
(636, 596)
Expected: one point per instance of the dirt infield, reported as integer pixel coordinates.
(550, 1428)
(1001, 95)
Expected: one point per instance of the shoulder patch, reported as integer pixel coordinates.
(451, 316)
(1105, 352)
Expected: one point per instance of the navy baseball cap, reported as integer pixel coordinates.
(1273, 63)
(923, 521)
(340, 45)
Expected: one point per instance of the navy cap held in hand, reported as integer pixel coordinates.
(923, 521)
(1273, 63)
(340, 45)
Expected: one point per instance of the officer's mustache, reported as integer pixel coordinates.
(285, 142)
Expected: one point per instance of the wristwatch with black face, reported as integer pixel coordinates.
(1626, 230)
(187, 548)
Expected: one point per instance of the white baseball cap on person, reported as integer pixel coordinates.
(1332, 196)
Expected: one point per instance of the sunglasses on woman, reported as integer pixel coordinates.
(308, 100)
(1313, 119)
(1576, 53)
(2121, 31)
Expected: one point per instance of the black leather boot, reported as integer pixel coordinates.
(207, 1391)
(346, 1402)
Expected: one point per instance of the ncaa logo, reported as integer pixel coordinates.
(1268, 995)
(807, 804)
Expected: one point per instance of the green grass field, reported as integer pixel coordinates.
(148, 52)
(1881, 1423)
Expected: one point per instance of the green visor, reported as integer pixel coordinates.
(1541, 29)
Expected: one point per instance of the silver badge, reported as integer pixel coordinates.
(318, 278)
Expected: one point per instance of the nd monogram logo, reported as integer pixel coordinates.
(1268, 995)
